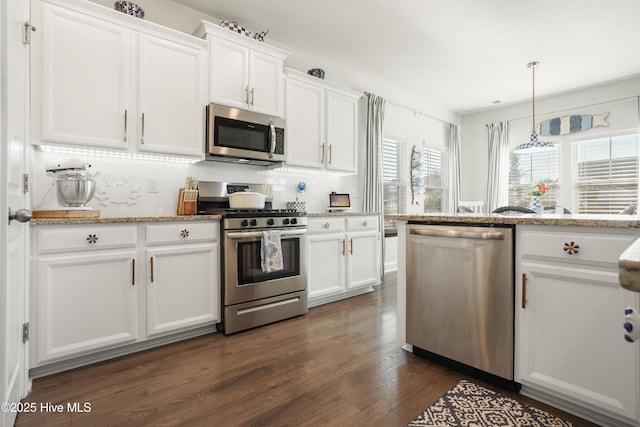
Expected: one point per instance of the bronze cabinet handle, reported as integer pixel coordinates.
(133, 272)
(524, 290)
(343, 247)
(151, 266)
(125, 125)
(351, 246)
(142, 135)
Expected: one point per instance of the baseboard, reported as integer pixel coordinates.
(314, 302)
(558, 402)
(100, 356)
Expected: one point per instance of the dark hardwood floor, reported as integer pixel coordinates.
(339, 365)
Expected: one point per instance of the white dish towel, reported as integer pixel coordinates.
(271, 251)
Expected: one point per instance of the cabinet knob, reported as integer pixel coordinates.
(365, 223)
(326, 225)
(184, 233)
(92, 238)
(571, 248)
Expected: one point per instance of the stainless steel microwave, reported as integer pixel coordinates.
(241, 136)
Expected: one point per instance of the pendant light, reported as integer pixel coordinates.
(534, 145)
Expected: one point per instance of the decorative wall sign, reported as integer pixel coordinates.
(571, 124)
(417, 183)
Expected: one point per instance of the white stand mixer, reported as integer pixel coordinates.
(72, 188)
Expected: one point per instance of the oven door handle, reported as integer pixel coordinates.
(238, 235)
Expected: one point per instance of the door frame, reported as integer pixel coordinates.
(14, 238)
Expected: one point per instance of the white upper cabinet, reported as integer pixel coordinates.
(322, 123)
(103, 79)
(305, 133)
(171, 96)
(245, 73)
(80, 69)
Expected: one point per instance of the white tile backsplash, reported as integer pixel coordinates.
(123, 184)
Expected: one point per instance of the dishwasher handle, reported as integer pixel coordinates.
(459, 234)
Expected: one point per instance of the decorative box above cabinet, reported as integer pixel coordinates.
(103, 79)
(322, 123)
(244, 73)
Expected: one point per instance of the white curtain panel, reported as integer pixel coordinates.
(498, 180)
(373, 190)
(454, 169)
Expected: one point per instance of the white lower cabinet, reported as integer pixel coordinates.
(181, 277)
(342, 256)
(89, 294)
(570, 347)
(86, 302)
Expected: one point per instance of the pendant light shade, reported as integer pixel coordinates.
(534, 145)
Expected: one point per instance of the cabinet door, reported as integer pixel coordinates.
(84, 303)
(170, 96)
(326, 261)
(81, 69)
(305, 124)
(265, 84)
(342, 132)
(570, 339)
(229, 81)
(182, 287)
(363, 261)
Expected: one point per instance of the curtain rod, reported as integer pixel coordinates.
(414, 111)
(584, 106)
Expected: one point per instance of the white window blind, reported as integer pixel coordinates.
(433, 172)
(606, 174)
(391, 155)
(528, 169)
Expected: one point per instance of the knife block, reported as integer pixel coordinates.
(187, 202)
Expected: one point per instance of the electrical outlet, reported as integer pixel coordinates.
(152, 185)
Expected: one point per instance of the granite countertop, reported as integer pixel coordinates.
(629, 267)
(342, 213)
(123, 219)
(575, 220)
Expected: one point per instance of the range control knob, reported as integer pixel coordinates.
(285, 221)
(270, 221)
(294, 220)
(254, 222)
(244, 223)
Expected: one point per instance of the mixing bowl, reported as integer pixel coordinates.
(75, 192)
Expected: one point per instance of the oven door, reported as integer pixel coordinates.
(244, 279)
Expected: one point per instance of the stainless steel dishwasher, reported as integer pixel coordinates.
(460, 295)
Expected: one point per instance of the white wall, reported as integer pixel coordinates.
(473, 142)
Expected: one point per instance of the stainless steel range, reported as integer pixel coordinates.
(252, 296)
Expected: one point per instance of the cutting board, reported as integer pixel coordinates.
(65, 214)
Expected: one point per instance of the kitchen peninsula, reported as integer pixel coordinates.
(569, 347)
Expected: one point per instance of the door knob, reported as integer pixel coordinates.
(21, 215)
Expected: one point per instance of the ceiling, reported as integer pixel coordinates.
(461, 55)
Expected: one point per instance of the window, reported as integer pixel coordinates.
(433, 172)
(528, 169)
(391, 155)
(606, 174)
